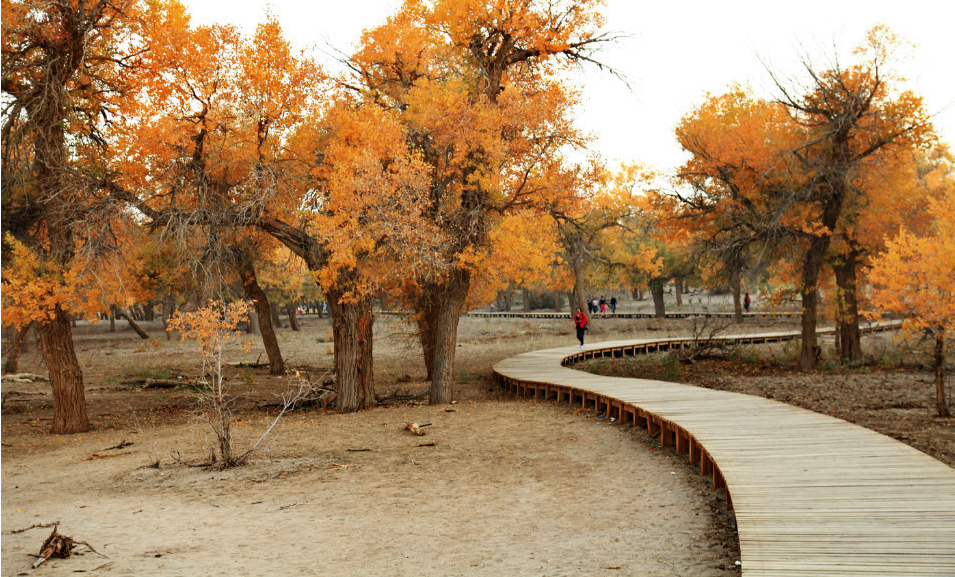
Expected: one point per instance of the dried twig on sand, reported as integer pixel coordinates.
(59, 546)
(397, 397)
(122, 445)
(33, 526)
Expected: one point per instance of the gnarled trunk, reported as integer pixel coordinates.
(168, 309)
(263, 312)
(14, 347)
(290, 309)
(810, 301)
(847, 321)
(678, 290)
(426, 319)
(656, 290)
(445, 300)
(580, 289)
(66, 377)
(737, 288)
(558, 301)
(352, 330)
(526, 295)
(274, 312)
(941, 405)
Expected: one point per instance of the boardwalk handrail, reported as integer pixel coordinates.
(812, 494)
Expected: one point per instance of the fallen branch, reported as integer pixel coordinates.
(284, 507)
(400, 397)
(122, 445)
(163, 383)
(103, 566)
(34, 526)
(97, 456)
(24, 378)
(59, 546)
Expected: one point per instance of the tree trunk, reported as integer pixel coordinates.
(580, 289)
(290, 309)
(847, 321)
(678, 283)
(427, 318)
(168, 308)
(526, 295)
(150, 311)
(262, 310)
(274, 312)
(737, 288)
(446, 300)
(558, 301)
(941, 405)
(656, 290)
(66, 377)
(508, 299)
(810, 300)
(112, 318)
(14, 347)
(352, 330)
(117, 311)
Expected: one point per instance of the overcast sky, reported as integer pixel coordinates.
(676, 53)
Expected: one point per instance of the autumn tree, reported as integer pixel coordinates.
(65, 75)
(731, 190)
(791, 170)
(915, 279)
(481, 103)
(852, 117)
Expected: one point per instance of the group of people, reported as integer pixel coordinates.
(600, 305)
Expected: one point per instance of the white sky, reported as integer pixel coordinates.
(676, 52)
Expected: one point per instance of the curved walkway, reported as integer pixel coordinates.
(812, 494)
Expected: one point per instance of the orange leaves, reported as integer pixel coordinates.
(33, 286)
(212, 326)
(915, 276)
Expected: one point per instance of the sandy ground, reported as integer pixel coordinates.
(509, 487)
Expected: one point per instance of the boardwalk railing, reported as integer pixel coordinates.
(812, 494)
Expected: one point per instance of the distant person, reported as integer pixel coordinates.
(613, 304)
(580, 322)
(746, 302)
(603, 305)
(492, 307)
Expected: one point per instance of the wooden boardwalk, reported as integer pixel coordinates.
(623, 315)
(812, 494)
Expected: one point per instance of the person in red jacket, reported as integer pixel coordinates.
(580, 321)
